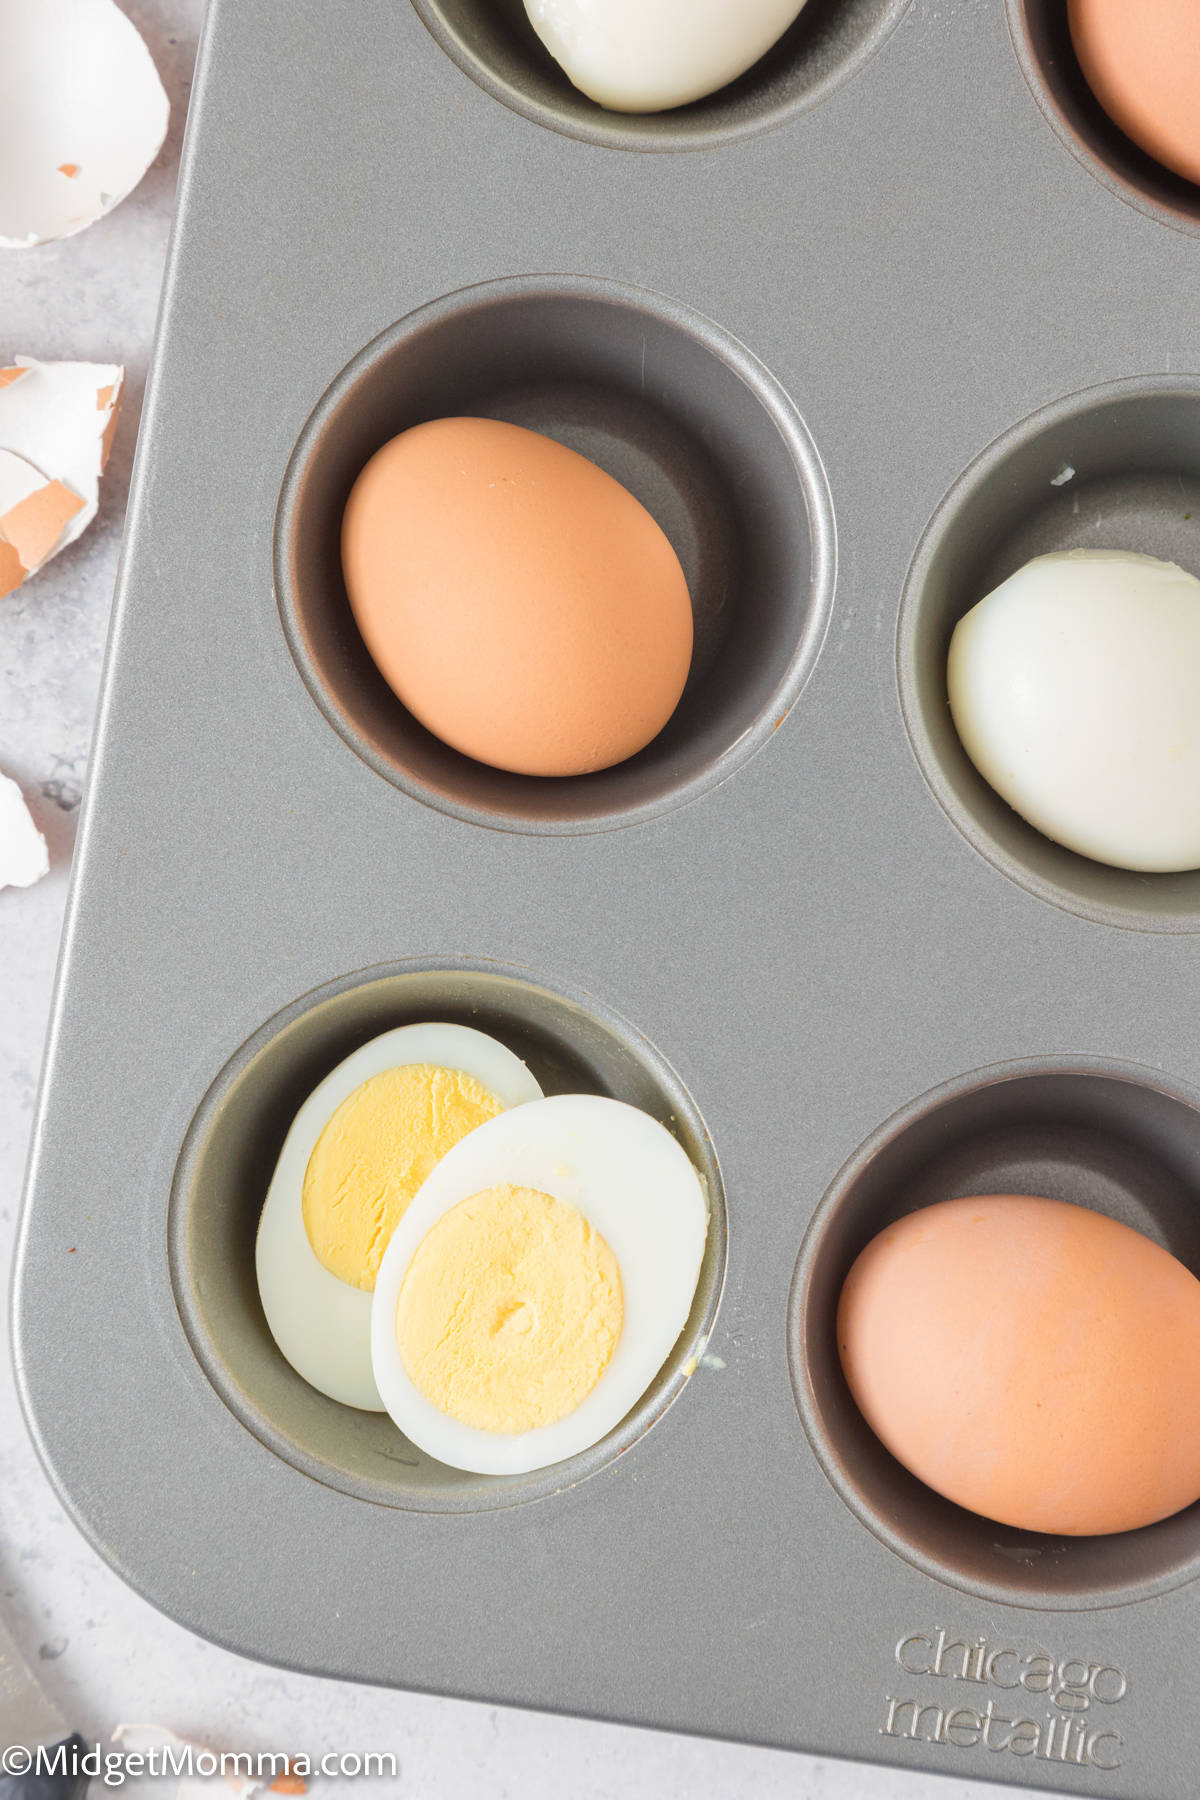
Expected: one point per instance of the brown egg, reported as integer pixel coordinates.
(1033, 1361)
(1141, 59)
(519, 601)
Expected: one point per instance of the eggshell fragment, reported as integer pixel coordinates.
(1036, 1362)
(24, 857)
(138, 1739)
(83, 114)
(56, 428)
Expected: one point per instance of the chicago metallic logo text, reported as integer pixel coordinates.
(1076, 1728)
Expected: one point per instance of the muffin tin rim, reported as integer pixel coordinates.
(625, 138)
(756, 377)
(1118, 185)
(974, 474)
(221, 1382)
(917, 1107)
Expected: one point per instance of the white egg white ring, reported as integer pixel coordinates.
(323, 1325)
(635, 1185)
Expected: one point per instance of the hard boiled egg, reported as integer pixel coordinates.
(537, 1284)
(639, 56)
(523, 604)
(356, 1153)
(1143, 65)
(1036, 1362)
(1074, 688)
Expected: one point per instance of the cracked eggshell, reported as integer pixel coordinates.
(24, 857)
(56, 427)
(83, 114)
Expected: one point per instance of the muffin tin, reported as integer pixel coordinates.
(897, 312)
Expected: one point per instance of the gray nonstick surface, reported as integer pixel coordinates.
(843, 329)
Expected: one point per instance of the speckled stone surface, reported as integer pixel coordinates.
(103, 1653)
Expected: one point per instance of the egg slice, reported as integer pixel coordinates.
(640, 56)
(1073, 687)
(537, 1284)
(355, 1155)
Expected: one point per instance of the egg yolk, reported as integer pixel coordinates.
(510, 1311)
(373, 1155)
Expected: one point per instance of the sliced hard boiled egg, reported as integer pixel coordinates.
(537, 1284)
(83, 114)
(357, 1152)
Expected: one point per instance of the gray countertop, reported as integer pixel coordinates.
(103, 1654)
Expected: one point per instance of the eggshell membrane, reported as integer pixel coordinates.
(323, 1325)
(520, 602)
(83, 114)
(1073, 688)
(635, 1185)
(641, 56)
(1141, 59)
(1033, 1361)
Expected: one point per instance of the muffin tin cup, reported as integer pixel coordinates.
(671, 406)
(493, 42)
(1042, 40)
(1113, 1137)
(571, 1044)
(1116, 467)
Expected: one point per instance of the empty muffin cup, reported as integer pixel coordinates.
(1041, 36)
(571, 1044)
(1114, 467)
(496, 45)
(679, 413)
(1112, 1137)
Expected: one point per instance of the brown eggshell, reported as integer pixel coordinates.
(1033, 1361)
(1141, 59)
(520, 602)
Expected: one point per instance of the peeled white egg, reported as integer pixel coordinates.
(635, 1186)
(1075, 688)
(320, 1323)
(639, 56)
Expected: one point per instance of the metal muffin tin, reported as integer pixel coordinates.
(888, 316)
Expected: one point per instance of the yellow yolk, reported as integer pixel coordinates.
(373, 1155)
(510, 1311)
